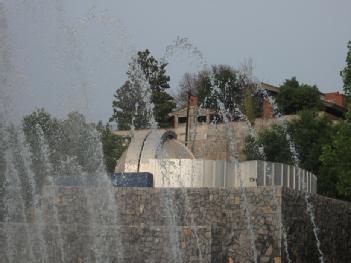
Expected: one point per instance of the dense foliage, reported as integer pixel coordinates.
(335, 179)
(113, 146)
(321, 147)
(62, 147)
(294, 97)
(232, 87)
(271, 145)
(72, 145)
(309, 133)
(56, 147)
(130, 107)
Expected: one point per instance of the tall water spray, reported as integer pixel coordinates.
(139, 81)
(246, 70)
(226, 116)
(183, 45)
(34, 159)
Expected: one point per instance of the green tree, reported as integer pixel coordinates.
(129, 104)
(252, 149)
(273, 141)
(50, 127)
(129, 108)
(346, 72)
(275, 145)
(235, 90)
(335, 179)
(72, 146)
(229, 86)
(39, 127)
(309, 133)
(321, 147)
(113, 146)
(294, 97)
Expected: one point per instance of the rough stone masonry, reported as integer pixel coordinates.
(79, 224)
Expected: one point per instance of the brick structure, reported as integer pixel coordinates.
(267, 111)
(334, 97)
(333, 103)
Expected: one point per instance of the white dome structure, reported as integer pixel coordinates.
(149, 145)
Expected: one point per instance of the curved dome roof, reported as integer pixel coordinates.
(146, 145)
(174, 149)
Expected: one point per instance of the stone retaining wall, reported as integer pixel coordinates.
(174, 225)
(333, 219)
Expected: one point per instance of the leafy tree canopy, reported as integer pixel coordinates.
(131, 105)
(274, 145)
(294, 97)
(335, 180)
(40, 127)
(321, 146)
(113, 146)
(73, 145)
(309, 133)
(233, 87)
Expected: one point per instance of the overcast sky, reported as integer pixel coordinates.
(73, 54)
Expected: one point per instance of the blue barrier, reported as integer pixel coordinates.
(132, 179)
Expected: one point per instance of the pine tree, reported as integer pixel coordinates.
(147, 82)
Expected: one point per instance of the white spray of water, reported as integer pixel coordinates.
(183, 45)
(21, 153)
(44, 154)
(246, 70)
(14, 185)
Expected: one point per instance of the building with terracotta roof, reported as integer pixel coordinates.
(333, 103)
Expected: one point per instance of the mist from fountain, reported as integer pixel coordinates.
(253, 133)
(24, 192)
(22, 156)
(22, 183)
(44, 153)
(168, 168)
(183, 45)
(14, 206)
(225, 114)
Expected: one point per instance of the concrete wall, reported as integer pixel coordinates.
(220, 173)
(279, 174)
(175, 225)
(192, 173)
